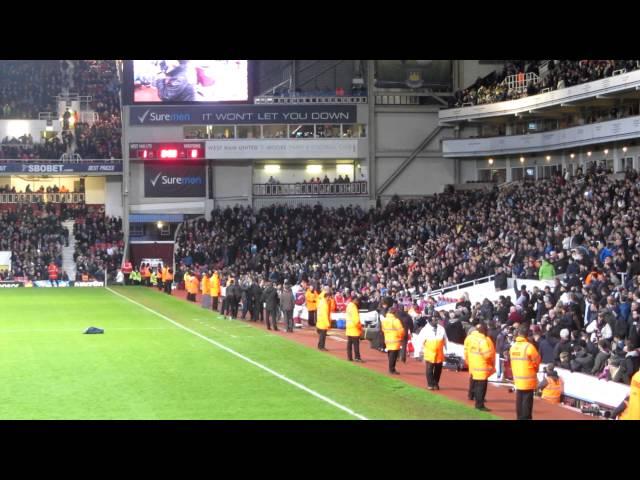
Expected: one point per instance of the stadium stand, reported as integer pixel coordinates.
(537, 230)
(99, 79)
(28, 87)
(99, 244)
(560, 74)
(35, 236)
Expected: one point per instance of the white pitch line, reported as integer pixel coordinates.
(213, 328)
(337, 339)
(246, 359)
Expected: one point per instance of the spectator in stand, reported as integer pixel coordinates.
(34, 234)
(28, 87)
(420, 246)
(99, 243)
(560, 74)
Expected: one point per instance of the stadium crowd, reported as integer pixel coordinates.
(99, 79)
(35, 236)
(28, 87)
(560, 74)
(586, 227)
(99, 245)
(50, 149)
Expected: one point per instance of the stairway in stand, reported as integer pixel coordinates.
(68, 265)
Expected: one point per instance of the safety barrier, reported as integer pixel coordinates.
(42, 198)
(288, 189)
(309, 100)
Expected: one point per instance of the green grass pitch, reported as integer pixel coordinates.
(146, 368)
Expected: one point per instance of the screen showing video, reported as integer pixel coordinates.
(178, 81)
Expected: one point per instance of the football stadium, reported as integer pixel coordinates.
(320, 239)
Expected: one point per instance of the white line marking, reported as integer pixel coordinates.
(337, 339)
(214, 328)
(246, 359)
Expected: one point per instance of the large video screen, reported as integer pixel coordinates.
(188, 81)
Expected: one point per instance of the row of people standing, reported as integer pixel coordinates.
(160, 277)
(479, 350)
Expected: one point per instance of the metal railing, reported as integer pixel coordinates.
(47, 116)
(519, 81)
(42, 198)
(70, 158)
(289, 189)
(309, 100)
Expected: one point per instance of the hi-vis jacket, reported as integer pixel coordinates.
(525, 361)
(215, 285)
(480, 355)
(323, 322)
(632, 412)
(432, 342)
(354, 327)
(393, 331)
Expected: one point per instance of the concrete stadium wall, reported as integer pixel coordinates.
(399, 131)
(95, 191)
(113, 192)
(232, 181)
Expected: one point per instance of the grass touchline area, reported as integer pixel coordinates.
(152, 363)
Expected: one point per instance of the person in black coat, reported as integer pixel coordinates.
(234, 295)
(255, 294)
(407, 323)
(500, 280)
(582, 361)
(602, 357)
(270, 298)
(454, 329)
(546, 348)
(246, 298)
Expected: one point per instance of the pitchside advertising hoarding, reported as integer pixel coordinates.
(241, 114)
(57, 168)
(48, 284)
(174, 180)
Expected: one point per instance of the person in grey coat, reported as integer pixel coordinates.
(287, 303)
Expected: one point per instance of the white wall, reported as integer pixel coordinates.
(423, 176)
(468, 170)
(113, 193)
(405, 131)
(232, 181)
(94, 188)
(155, 134)
(399, 131)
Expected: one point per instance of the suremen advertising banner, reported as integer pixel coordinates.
(174, 180)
